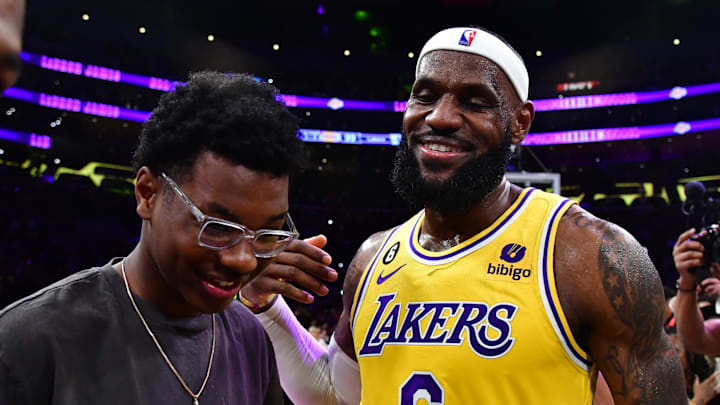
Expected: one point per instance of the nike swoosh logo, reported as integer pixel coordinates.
(381, 279)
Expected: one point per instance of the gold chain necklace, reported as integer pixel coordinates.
(162, 352)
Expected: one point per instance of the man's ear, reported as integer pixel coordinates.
(522, 121)
(147, 192)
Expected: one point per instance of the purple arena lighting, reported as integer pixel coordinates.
(102, 73)
(334, 103)
(620, 134)
(348, 137)
(96, 72)
(76, 105)
(34, 140)
(393, 138)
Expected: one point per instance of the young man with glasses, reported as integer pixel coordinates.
(161, 326)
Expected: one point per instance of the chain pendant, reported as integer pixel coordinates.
(195, 402)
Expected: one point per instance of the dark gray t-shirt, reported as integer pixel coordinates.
(79, 341)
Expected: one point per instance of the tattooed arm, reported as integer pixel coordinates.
(613, 299)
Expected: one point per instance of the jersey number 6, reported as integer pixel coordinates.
(421, 385)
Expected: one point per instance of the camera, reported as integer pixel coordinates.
(710, 239)
(703, 213)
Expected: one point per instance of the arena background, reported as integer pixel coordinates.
(93, 69)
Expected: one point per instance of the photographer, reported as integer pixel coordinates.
(696, 334)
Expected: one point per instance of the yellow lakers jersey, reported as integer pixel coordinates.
(480, 323)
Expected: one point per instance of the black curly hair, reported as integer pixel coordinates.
(231, 115)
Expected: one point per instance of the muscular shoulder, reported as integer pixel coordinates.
(362, 258)
(604, 276)
(364, 255)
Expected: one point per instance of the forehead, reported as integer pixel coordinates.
(248, 195)
(463, 67)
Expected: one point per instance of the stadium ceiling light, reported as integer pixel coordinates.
(270, 80)
(276, 47)
(211, 38)
(538, 53)
(142, 30)
(676, 41)
(86, 17)
(346, 52)
(411, 55)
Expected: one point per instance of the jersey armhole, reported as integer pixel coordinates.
(365, 281)
(548, 288)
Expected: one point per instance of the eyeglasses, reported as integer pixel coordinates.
(218, 234)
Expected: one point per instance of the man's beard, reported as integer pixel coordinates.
(467, 186)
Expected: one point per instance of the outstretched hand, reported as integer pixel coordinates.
(298, 272)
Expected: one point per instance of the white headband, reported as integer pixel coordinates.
(479, 42)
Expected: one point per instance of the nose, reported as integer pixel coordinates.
(239, 257)
(444, 116)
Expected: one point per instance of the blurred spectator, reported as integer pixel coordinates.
(695, 332)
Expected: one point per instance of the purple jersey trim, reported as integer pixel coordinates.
(545, 259)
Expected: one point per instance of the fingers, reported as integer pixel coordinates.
(268, 284)
(297, 272)
(711, 286)
(688, 245)
(311, 247)
(684, 243)
(686, 260)
(317, 240)
(710, 282)
(309, 259)
(710, 381)
(687, 253)
(292, 274)
(685, 236)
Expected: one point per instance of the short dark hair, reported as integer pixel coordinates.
(231, 115)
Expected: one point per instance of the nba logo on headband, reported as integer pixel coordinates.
(467, 37)
(489, 46)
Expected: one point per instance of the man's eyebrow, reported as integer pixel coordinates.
(424, 82)
(219, 209)
(478, 86)
(278, 217)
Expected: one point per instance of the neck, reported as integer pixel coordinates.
(455, 227)
(146, 281)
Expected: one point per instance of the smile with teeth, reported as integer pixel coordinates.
(439, 147)
(223, 284)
